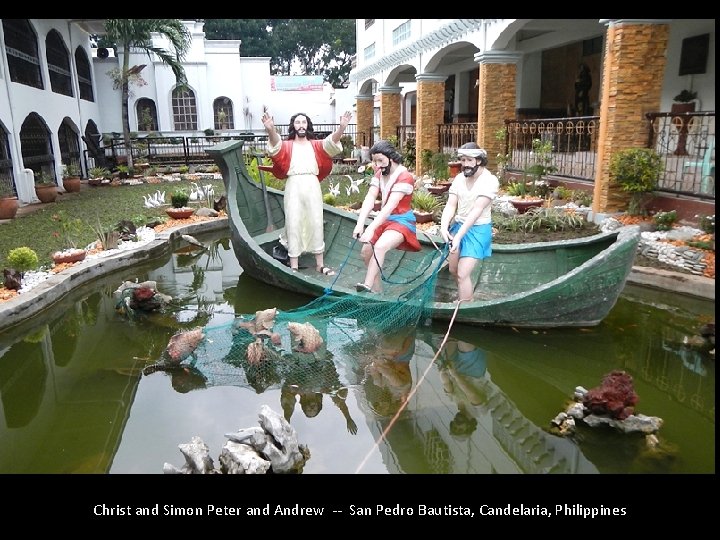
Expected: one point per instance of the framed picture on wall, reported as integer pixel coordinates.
(694, 55)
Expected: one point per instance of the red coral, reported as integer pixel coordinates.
(615, 397)
(143, 293)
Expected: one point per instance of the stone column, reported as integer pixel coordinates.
(430, 113)
(365, 105)
(496, 98)
(633, 71)
(389, 111)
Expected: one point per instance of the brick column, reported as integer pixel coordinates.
(496, 99)
(365, 105)
(389, 111)
(633, 72)
(430, 113)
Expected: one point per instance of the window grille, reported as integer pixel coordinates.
(58, 59)
(401, 33)
(22, 52)
(82, 64)
(184, 110)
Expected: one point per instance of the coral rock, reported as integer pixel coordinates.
(615, 397)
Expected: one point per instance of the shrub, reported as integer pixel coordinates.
(664, 220)
(179, 198)
(706, 224)
(424, 201)
(637, 171)
(22, 259)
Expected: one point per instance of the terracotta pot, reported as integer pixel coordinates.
(523, 205)
(454, 167)
(8, 207)
(180, 213)
(423, 217)
(438, 189)
(47, 193)
(72, 185)
(69, 256)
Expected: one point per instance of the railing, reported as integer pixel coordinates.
(574, 143)
(686, 142)
(191, 150)
(453, 136)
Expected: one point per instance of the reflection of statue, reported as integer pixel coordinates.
(463, 378)
(583, 82)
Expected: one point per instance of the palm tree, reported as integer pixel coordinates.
(136, 34)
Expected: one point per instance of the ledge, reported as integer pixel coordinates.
(56, 287)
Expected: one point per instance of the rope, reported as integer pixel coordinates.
(383, 435)
(444, 253)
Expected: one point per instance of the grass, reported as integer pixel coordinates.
(106, 205)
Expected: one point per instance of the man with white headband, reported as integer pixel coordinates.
(468, 207)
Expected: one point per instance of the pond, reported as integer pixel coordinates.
(74, 399)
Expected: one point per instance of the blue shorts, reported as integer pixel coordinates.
(477, 242)
(472, 363)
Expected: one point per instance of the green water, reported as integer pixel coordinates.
(73, 399)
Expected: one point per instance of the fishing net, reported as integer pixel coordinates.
(319, 348)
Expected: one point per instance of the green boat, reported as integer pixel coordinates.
(545, 284)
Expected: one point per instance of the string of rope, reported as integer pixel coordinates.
(329, 289)
(390, 425)
(444, 252)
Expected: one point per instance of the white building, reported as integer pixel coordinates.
(56, 97)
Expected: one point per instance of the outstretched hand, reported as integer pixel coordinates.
(345, 118)
(268, 121)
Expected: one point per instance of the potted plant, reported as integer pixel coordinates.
(424, 205)
(8, 200)
(71, 177)
(69, 231)
(45, 187)
(97, 175)
(684, 102)
(637, 171)
(454, 165)
(540, 164)
(19, 260)
(179, 210)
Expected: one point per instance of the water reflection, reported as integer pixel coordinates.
(74, 398)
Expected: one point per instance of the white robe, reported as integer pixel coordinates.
(303, 201)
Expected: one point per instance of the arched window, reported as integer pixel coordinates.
(22, 52)
(35, 145)
(69, 143)
(184, 109)
(58, 59)
(82, 64)
(146, 115)
(7, 182)
(223, 113)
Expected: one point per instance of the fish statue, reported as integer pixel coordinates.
(264, 321)
(256, 352)
(183, 344)
(192, 240)
(306, 337)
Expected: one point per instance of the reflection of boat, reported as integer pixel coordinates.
(502, 441)
(568, 283)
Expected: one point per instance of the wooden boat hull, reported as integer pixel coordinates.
(546, 284)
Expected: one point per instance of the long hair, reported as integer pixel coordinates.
(291, 128)
(387, 149)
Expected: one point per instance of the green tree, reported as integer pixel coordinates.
(254, 33)
(318, 46)
(136, 34)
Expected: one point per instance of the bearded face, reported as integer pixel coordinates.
(301, 125)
